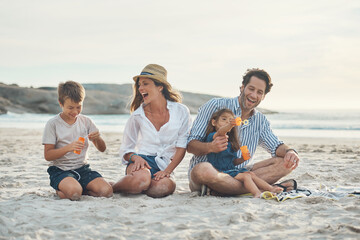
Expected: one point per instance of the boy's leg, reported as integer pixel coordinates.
(249, 184)
(99, 188)
(92, 182)
(65, 183)
(69, 188)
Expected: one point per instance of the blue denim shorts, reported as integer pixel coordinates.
(83, 175)
(151, 161)
(234, 172)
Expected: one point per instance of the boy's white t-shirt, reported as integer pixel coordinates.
(60, 134)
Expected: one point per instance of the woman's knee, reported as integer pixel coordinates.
(141, 181)
(161, 188)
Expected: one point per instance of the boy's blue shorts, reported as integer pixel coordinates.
(151, 161)
(83, 175)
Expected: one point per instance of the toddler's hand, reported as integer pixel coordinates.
(233, 122)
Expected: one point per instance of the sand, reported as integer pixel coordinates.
(30, 209)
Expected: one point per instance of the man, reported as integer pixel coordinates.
(255, 85)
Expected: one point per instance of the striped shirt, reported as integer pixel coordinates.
(256, 132)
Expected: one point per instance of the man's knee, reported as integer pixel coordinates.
(281, 166)
(203, 171)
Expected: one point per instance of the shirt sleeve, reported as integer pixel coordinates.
(49, 135)
(184, 129)
(92, 127)
(268, 139)
(130, 137)
(198, 130)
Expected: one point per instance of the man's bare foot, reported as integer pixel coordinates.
(276, 189)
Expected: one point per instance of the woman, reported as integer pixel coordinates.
(155, 136)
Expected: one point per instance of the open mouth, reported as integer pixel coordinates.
(144, 95)
(251, 100)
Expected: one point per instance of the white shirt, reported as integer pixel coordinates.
(141, 137)
(59, 133)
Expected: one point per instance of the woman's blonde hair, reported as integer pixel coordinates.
(168, 92)
(233, 134)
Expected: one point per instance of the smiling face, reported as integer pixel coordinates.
(222, 120)
(148, 90)
(252, 94)
(70, 110)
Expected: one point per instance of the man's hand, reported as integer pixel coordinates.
(291, 159)
(219, 144)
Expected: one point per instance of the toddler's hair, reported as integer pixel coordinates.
(70, 89)
(233, 134)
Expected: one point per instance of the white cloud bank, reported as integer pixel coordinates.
(310, 48)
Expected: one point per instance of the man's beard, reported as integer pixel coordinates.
(243, 101)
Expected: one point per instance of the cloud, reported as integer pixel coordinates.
(205, 45)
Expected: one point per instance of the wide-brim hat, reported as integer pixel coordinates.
(153, 71)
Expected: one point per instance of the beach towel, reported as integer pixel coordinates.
(330, 193)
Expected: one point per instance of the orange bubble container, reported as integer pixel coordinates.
(81, 139)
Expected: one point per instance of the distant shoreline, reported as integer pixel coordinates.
(100, 99)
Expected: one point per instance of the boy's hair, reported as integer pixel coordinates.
(259, 73)
(233, 134)
(70, 89)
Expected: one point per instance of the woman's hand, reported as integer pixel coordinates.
(160, 175)
(139, 163)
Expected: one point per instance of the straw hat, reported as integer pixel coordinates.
(153, 71)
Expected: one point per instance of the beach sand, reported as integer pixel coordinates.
(30, 209)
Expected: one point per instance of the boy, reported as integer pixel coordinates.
(70, 175)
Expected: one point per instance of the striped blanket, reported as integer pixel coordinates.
(330, 193)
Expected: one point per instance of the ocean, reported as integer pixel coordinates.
(306, 123)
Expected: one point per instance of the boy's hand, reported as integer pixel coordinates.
(76, 146)
(94, 136)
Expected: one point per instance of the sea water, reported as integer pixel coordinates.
(309, 123)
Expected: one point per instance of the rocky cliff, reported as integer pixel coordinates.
(100, 99)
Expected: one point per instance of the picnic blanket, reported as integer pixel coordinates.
(330, 193)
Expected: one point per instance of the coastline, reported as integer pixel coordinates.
(29, 207)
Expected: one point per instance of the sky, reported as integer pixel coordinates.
(311, 49)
